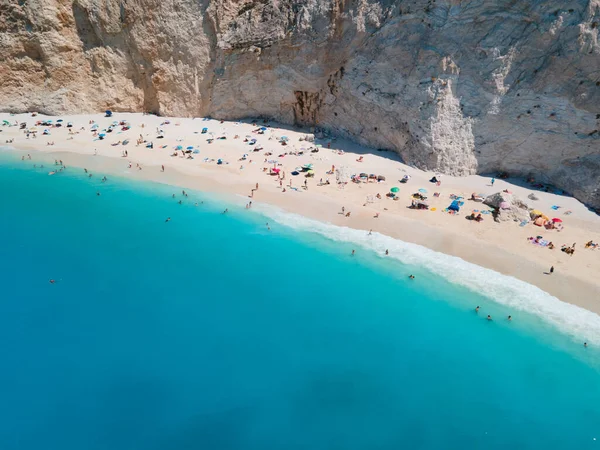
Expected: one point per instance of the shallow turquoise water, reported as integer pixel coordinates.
(212, 332)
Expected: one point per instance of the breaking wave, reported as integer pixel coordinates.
(503, 289)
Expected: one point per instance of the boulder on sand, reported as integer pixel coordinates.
(507, 207)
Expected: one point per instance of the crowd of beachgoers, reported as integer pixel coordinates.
(361, 187)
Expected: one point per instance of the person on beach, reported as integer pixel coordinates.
(493, 181)
(552, 269)
(387, 252)
(162, 168)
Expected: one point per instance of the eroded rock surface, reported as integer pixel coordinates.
(453, 86)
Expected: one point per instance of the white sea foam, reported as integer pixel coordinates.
(572, 320)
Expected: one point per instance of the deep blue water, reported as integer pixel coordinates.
(211, 332)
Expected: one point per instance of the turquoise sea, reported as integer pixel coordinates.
(213, 332)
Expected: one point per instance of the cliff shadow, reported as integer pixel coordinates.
(85, 30)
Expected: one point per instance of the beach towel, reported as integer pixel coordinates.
(522, 224)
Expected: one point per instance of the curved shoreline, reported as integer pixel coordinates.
(520, 260)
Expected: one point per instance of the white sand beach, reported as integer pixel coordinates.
(248, 156)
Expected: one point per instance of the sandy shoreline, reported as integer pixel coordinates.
(502, 247)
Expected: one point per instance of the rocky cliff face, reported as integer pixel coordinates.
(457, 86)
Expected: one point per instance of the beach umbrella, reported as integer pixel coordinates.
(108, 113)
(381, 178)
(125, 142)
(190, 147)
(423, 191)
(59, 120)
(263, 128)
(505, 205)
(5, 122)
(556, 220)
(284, 138)
(394, 189)
(196, 151)
(179, 147)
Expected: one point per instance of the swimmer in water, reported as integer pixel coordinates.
(226, 211)
(168, 219)
(98, 194)
(489, 317)
(387, 252)
(509, 318)
(53, 281)
(352, 252)
(179, 202)
(585, 344)
(412, 277)
(370, 232)
(477, 309)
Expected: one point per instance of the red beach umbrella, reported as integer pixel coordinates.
(556, 220)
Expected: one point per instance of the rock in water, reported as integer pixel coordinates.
(454, 87)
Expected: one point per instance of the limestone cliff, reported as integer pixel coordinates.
(458, 86)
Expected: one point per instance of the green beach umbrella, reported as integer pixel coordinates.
(394, 189)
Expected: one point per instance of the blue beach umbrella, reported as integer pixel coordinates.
(196, 151)
(179, 147)
(284, 138)
(190, 147)
(423, 191)
(263, 128)
(102, 134)
(94, 126)
(59, 120)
